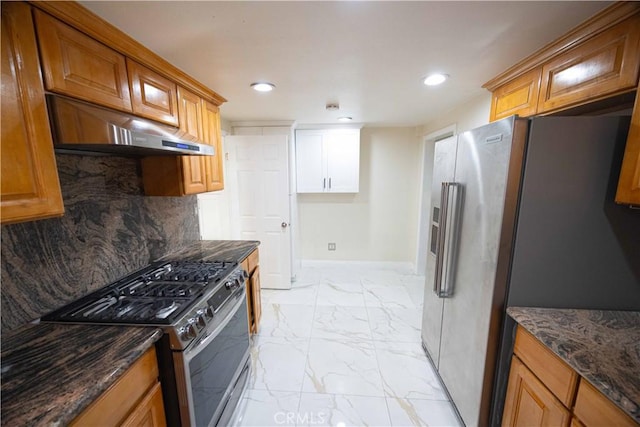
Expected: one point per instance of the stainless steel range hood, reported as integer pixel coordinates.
(80, 127)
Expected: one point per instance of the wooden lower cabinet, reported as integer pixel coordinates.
(594, 409)
(134, 400)
(254, 298)
(544, 391)
(30, 185)
(529, 402)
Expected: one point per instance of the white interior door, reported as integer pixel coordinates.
(258, 166)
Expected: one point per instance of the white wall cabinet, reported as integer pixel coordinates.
(328, 160)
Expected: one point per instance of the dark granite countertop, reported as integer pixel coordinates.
(214, 250)
(52, 372)
(602, 346)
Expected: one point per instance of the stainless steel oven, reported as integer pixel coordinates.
(203, 355)
(213, 371)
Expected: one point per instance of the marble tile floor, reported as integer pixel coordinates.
(342, 348)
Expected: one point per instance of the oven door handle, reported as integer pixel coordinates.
(205, 340)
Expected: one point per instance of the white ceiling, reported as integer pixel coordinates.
(368, 56)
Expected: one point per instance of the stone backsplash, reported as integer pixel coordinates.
(109, 229)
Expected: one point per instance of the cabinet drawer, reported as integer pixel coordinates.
(253, 261)
(557, 376)
(594, 409)
(519, 96)
(117, 403)
(604, 65)
(529, 403)
(77, 65)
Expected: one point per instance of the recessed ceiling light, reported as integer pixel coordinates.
(435, 79)
(344, 119)
(263, 86)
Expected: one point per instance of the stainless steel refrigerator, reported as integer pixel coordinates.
(522, 213)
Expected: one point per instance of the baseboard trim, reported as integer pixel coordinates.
(384, 265)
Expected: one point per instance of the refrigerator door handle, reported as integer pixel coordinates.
(449, 235)
(437, 281)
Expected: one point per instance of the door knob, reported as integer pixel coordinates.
(284, 225)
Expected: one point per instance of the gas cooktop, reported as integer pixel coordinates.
(158, 294)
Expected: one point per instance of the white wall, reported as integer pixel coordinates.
(378, 223)
(214, 208)
(467, 116)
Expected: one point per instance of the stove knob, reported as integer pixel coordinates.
(201, 322)
(187, 332)
(229, 284)
(208, 312)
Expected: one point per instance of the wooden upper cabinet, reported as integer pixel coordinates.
(211, 129)
(519, 96)
(190, 114)
(194, 174)
(30, 186)
(529, 403)
(601, 66)
(629, 183)
(79, 66)
(194, 168)
(152, 95)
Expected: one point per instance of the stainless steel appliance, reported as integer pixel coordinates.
(82, 127)
(204, 353)
(522, 214)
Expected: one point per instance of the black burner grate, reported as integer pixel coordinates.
(157, 294)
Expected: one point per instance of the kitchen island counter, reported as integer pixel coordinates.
(52, 372)
(601, 346)
(213, 250)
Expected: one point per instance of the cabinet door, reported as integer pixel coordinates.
(152, 95)
(604, 65)
(79, 66)
(519, 96)
(194, 174)
(150, 412)
(211, 129)
(190, 114)
(120, 400)
(343, 161)
(256, 299)
(30, 186)
(194, 168)
(529, 403)
(629, 182)
(310, 171)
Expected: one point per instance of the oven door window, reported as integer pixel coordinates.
(213, 369)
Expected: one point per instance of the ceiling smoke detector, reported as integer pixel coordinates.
(333, 107)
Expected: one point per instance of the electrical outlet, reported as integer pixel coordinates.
(332, 246)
